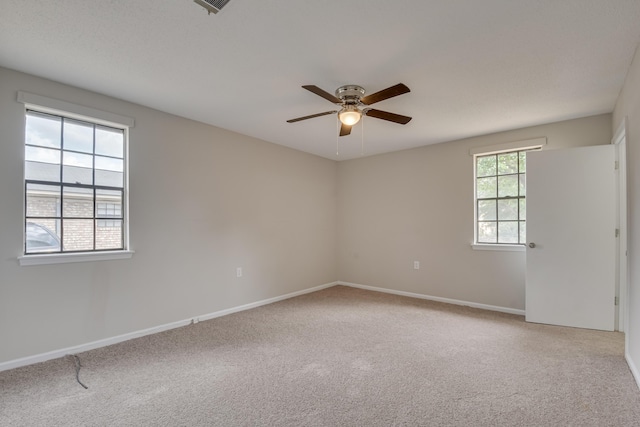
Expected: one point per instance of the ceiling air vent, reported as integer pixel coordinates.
(212, 5)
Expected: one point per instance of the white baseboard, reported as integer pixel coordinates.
(438, 299)
(263, 302)
(632, 367)
(43, 357)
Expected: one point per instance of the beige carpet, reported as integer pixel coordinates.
(338, 357)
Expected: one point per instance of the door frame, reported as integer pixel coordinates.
(622, 277)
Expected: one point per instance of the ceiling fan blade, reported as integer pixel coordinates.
(387, 93)
(345, 129)
(322, 93)
(384, 115)
(311, 116)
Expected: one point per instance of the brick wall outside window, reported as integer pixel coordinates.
(78, 234)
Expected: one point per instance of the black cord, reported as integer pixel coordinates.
(76, 360)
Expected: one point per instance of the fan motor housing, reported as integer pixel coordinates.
(350, 94)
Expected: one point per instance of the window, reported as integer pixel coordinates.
(74, 184)
(500, 206)
(500, 198)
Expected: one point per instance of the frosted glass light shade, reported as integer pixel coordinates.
(349, 116)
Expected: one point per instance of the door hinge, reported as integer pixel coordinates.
(616, 165)
(615, 300)
(617, 232)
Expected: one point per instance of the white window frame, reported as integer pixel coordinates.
(62, 108)
(528, 144)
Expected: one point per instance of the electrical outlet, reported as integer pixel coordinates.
(416, 265)
(239, 272)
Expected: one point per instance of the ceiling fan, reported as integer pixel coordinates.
(352, 101)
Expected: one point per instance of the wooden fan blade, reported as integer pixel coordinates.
(387, 93)
(311, 116)
(322, 93)
(345, 129)
(384, 115)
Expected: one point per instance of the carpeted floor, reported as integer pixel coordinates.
(338, 357)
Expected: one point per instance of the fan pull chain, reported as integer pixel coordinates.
(362, 137)
(337, 138)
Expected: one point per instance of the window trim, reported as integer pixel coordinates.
(64, 258)
(73, 111)
(475, 152)
(506, 247)
(99, 117)
(525, 144)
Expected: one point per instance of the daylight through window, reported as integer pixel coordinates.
(500, 198)
(74, 185)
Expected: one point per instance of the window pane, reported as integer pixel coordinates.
(523, 232)
(76, 159)
(43, 200)
(77, 202)
(508, 232)
(486, 187)
(487, 210)
(77, 168)
(508, 209)
(109, 172)
(42, 172)
(522, 161)
(42, 164)
(77, 234)
(42, 155)
(487, 232)
(43, 130)
(522, 185)
(507, 163)
(508, 186)
(109, 204)
(42, 235)
(109, 234)
(109, 179)
(523, 209)
(109, 164)
(75, 175)
(109, 142)
(78, 136)
(486, 166)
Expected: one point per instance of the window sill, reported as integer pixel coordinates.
(42, 259)
(503, 248)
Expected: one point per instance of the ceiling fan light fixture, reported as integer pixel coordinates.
(350, 98)
(349, 115)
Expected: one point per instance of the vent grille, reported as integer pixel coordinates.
(212, 5)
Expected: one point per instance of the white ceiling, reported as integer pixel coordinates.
(474, 67)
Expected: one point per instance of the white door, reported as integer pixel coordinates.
(571, 220)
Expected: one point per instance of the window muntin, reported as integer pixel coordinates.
(72, 167)
(500, 196)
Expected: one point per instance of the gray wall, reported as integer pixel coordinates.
(628, 106)
(203, 202)
(418, 205)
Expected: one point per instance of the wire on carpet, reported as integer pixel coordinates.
(76, 361)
